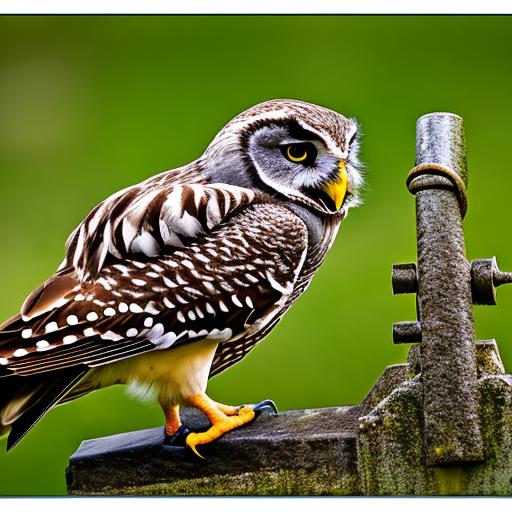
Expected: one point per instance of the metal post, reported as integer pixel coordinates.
(448, 363)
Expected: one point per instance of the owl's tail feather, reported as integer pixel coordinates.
(25, 400)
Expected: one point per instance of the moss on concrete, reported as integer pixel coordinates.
(390, 441)
(322, 482)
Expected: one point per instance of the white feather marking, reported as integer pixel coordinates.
(124, 270)
(128, 233)
(251, 278)
(107, 234)
(67, 340)
(79, 246)
(4, 361)
(187, 263)
(188, 226)
(168, 303)
(104, 283)
(248, 301)
(191, 315)
(26, 333)
(226, 286)
(198, 193)
(220, 335)
(92, 316)
(72, 320)
(285, 290)
(42, 344)
(155, 333)
(202, 257)
(148, 322)
(174, 240)
(236, 301)
(151, 309)
(181, 318)
(223, 307)
(135, 308)
(213, 215)
(210, 287)
(169, 283)
(138, 282)
(229, 243)
(89, 332)
(51, 327)
(132, 332)
(109, 312)
(145, 244)
(240, 283)
(180, 280)
(110, 336)
(165, 341)
(20, 352)
(79, 297)
(164, 230)
(210, 309)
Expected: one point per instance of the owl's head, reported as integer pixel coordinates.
(305, 152)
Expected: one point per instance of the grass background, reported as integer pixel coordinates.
(89, 105)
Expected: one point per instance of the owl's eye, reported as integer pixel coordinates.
(300, 153)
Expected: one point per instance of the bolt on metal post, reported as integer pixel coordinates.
(443, 283)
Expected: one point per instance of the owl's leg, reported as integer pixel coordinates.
(220, 420)
(175, 432)
(172, 419)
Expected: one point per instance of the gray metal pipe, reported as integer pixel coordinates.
(451, 424)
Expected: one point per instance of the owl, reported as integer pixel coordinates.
(171, 281)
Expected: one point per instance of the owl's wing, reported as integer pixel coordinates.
(143, 220)
(230, 282)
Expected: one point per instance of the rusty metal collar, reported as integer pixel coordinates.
(426, 169)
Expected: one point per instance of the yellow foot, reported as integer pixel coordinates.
(220, 426)
(222, 417)
(229, 410)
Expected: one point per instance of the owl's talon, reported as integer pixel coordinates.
(221, 423)
(178, 438)
(265, 406)
(192, 441)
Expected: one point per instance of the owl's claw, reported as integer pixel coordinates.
(223, 418)
(265, 406)
(220, 425)
(178, 438)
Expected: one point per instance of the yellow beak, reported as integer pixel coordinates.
(338, 189)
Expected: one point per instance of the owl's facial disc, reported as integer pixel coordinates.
(297, 163)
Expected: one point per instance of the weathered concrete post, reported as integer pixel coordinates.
(447, 427)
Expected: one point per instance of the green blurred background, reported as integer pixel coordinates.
(89, 105)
